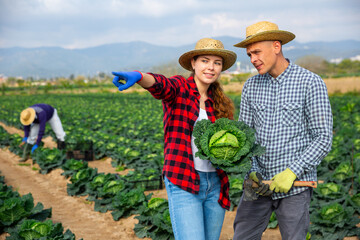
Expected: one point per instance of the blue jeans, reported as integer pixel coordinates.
(196, 216)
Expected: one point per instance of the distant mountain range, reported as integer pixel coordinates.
(46, 62)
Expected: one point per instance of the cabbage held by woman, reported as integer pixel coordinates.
(226, 143)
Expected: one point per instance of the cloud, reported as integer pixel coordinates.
(85, 23)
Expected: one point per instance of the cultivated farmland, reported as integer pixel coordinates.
(127, 136)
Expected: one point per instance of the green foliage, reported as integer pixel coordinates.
(333, 220)
(15, 208)
(236, 189)
(132, 136)
(242, 77)
(154, 203)
(33, 229)
(343, 171)
(48, 159)
(330, 191)
(15, 140)
(154, 220)
(226, 143)
(273, 221)
(78, 185)
(127, 203)
(72, 166)
(113, 187)
(326, 69)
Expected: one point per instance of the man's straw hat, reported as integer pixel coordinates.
(265, 31)
(27, 116)
(208, 46)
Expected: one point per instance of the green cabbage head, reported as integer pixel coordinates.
(225, 142)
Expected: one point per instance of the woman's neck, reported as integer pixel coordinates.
(202, 88)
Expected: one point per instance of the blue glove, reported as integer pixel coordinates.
(130, 79)
(24, 139)
(34, 147)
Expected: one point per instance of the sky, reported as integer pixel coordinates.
(75, 24)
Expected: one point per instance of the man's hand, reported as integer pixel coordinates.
(282, 182)
(33, 148)
(263, 188)
(130, 78)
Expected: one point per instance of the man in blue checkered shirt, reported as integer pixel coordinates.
(290, 110)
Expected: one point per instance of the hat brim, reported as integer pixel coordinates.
(274, 35)
(229, 57)
(31, 118)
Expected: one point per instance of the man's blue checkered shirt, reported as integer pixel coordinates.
(292, 118)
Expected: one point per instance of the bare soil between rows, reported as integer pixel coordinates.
(75, 213)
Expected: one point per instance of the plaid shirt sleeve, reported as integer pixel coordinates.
(164, 88)
(320, 125)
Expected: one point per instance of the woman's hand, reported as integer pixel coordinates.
(124, 80)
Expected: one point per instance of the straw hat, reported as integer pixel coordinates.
(265, 31)
(27, 116)
(208, 46)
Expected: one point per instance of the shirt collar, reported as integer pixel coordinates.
(282, 77)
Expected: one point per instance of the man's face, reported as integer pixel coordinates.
(263, 56)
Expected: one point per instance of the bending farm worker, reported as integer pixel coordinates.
(198, 193)
(290, 110)
(34, 119)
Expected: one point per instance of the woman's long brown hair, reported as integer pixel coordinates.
(223, 105)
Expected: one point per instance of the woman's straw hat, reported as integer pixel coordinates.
(265, 31)
(27, 116)
(208, 46)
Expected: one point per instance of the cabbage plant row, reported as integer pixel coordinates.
(121, 195)
(128, 128)
(23, 220)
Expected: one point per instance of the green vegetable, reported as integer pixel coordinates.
(126, 203)
(356, 199)
(226, 143)
(49, 159)
(16, 208)
(236, 183)
(330, 190)
(333, 212)
(343, 171)
(155, 202)
(72, 166)
(34, 229)
(114, 186)
(273, 222)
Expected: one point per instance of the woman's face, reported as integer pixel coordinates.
(207, 68)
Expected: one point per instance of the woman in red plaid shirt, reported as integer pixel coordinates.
(198, 193)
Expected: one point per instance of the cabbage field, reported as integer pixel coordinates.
(128, 128)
